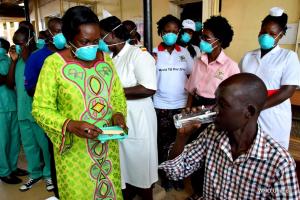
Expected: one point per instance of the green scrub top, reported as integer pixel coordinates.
(7, 96)
(24, 102)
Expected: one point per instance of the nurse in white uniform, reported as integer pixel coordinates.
(136, 69)
(280, 70)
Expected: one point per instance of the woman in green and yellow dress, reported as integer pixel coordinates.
(78, 92)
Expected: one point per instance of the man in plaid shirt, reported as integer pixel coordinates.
(241, 161)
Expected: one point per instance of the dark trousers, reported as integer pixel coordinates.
(53, 169)
(166, 135)
(166, 131)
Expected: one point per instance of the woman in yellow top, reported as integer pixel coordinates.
(77, 93)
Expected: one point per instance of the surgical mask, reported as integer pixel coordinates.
(102, 44)
(86, 53)
(40, 43)
(206, 47)
(2, 51)
(169, 38)
(59, 40)
(18, 49)
(266, 41)
(185, 37)
(198, 26)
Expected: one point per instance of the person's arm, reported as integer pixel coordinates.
(10, 80)
(290, 79)
(138, 92)
(286, 185)
(30, 74)
(284, 93)
(145, 73)
(189, 102)
(185, 159)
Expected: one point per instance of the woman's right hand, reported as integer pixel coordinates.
(13, 54)
(83, 129)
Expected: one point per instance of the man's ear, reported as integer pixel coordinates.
(251, 111)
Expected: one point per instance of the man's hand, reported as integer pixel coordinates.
(13, 54)
(119, 120)
(189, 129)
(83, 129)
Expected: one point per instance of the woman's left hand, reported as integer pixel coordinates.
(119, 120)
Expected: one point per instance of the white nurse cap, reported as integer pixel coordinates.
(276, 11)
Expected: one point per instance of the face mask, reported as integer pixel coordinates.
(40, 43)
(266, 41)
(59, 40)
(206, 47)
(2, 51)
(185, 37)
(198, 26)
(169, 38)
(103, 46)
(86, 53)
(18, 49)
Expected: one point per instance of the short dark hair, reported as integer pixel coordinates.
(27, 35)
(23, 31)
(74, 17)
(53, 21)
(280, 20)
(167, 19)
(26, 24)
(4, 44)
(221, 29)
(110, 23)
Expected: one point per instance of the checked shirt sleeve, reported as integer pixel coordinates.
(189, 160)
(286, 186)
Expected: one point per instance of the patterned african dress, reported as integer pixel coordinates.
(86, 169)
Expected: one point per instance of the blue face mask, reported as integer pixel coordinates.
(206, 47)
(103, 46)
(59, 41)
(169, 38)
(198, 26)
(2, 51)
(18, 49)
(40, 43)
(266, 41)
(185, 37)
(86, 53)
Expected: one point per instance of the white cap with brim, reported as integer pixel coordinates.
(276, 12)
(189, 24)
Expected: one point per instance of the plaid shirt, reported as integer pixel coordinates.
(266, 171)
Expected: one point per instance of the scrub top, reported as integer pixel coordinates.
(7, 96)
(277, 68)
(24, 102)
